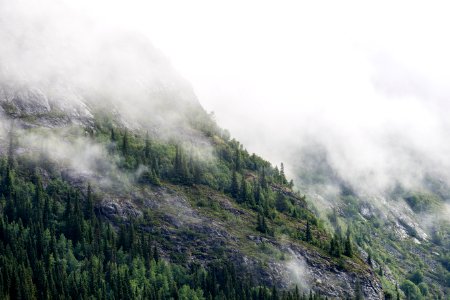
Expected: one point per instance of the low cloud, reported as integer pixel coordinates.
(297, 272)
(77, 62)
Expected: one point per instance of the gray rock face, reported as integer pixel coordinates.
(190, 232)
(24, 101)
(32, 106)
(333, 281)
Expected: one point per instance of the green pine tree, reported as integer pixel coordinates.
(308, 235)
(348, 249)
(234, 189)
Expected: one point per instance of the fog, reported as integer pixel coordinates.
(297, 271)
(365, 83)
(56, 59)
(71, 61)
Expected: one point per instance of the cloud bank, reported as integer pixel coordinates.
(365, 83)
(75, 60)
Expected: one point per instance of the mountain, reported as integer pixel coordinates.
(115, 183)
(404, 228)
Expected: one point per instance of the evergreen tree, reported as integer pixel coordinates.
(276, 174)
(147, 148)
(11, 147)
(125, 144)
(348, 249)
(335, 247)
(264, 184)
(180, 169)
(282, 175)
(274, 293)
(380, 271)
(262, 225)
(238, 160)
(7, 187)
(244, 193)
(234, 189)
(113, 135)
(308, 235)
(89, 211)
(282, 203)
(291, 184)
(369, 259)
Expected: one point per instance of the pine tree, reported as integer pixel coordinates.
(238, 160)
(308, 232)
(291, 184)
(147, 148)
(281, 203)
(257, 193)
(197, 173)
(243, 195)
(380, 271)
(262, 225)
(89, 203)
(154, 178)
(11, 147)
(348, 251)
(7, 187)
(113, 135)
(282, 175)
(276, 174)
(369, 259)
(234, 189)
(263, 179)
(38, 193)
(274, 293)
(335, 247)
(180, 168)
(125, 144)
(296, 293)
(155, 254)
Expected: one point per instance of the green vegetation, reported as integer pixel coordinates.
(408, 265)
(422, 202)
(251, 181)
(56, 244)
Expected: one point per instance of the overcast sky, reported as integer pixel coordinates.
(354, 75)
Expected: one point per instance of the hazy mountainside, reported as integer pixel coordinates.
(196, 203)
(404, 228)
(116, 184)
(126, 197)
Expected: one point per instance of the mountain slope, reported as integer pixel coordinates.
(166, 191)
(116, 184)
(172, 177)
(405, 229)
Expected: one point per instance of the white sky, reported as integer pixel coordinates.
(276, 71)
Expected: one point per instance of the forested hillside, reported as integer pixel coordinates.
(160, 219)
(115, 183)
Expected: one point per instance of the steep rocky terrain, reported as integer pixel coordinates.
(405, 229)
(194, 223)
(98, 118)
